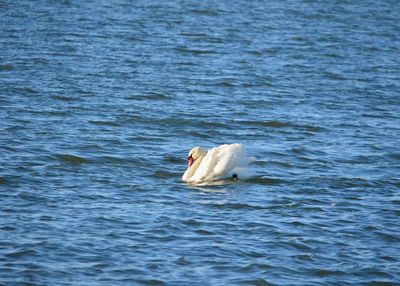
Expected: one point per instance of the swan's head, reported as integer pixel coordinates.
(195, 154)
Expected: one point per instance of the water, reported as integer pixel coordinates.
(101, 101)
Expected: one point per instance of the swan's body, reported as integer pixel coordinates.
(228, 161)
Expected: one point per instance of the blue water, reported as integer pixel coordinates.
(100, 101)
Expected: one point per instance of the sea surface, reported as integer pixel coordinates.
(100, 102)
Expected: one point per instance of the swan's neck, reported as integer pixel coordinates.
(192, 169)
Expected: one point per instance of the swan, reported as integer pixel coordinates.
(228, 161)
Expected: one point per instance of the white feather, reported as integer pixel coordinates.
(220, 162)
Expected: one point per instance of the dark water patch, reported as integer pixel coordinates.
(395, 156)
(266, 181)
(390, 237)
(8, 228)
(299, 246)
(274, 124)
(65, 98)
(255, 282)
(192, 222)
(280, 164)
(313, 129)
(182, 261)
(239, 206)
(72, 159)
(145, 138)
(204, 12)
(204, 232)
(334, 76)
(388, 258)
(264, 51)
(165, 174)
(328, 272)
(381, 283)
(31, 197)
(3, 180)
(333, 55)
(24, 90)
(297, 224)
(103, 123)
(22, 253)
(253, 267)
(179, 121)
(362, 159)
(173, 160)
(6, 67)
(202, 135)
(114, 160)
(283, 125)
(345, 182)
(150, 96)
(208, 38)
(224, 84)
(151, 282)
(299, 150)
(195, 52)
(304, 257)
(372, 272)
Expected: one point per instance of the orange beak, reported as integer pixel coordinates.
(190, 161)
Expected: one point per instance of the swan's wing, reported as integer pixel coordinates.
(221, 162)
(229, 157)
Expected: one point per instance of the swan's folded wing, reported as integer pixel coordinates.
(220, 162)
(229, 157)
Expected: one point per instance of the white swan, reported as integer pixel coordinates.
(222, 162)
